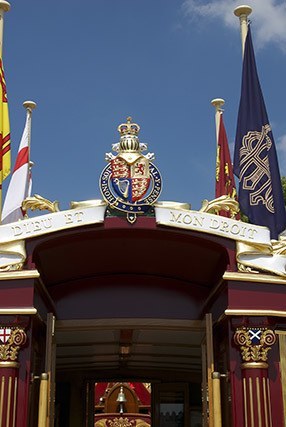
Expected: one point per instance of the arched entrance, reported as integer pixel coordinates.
(129, 305)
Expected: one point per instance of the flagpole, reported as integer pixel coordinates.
(4, 7)
(217, 103)
(242, 12)
(29, 106)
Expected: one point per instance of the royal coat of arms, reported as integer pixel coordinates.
(130, 182)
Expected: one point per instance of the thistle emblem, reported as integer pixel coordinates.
(130, 182)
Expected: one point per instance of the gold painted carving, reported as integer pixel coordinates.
(121, 422)
(11, 339)
(254, 343)
(279, 246)
(38, 202)
(225, 203)
(13, 256)
(269, 258)
(246, 269)
(115, 422)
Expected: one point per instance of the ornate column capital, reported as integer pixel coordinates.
(11, 339)
(254, 343)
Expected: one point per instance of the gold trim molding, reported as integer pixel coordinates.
(9, 364)
(24, 274)
(254, 365)
(254, 312)
(25, 310)
(253, 277)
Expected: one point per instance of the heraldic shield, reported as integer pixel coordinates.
(130, 181)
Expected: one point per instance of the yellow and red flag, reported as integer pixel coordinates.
(5, 150)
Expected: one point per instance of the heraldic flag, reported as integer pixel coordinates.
(255, 160)
(19, 186)
(5, 152)
(225, 184)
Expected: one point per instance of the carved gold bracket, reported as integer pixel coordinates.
(11, 339)
(254, 343)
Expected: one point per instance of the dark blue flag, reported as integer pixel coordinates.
(255, 161)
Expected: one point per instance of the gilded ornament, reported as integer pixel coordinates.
(279, 246)
(11, 339)
(254, 343)
(225, 203)
(38, 202)
(120, 422)
(14, 267)
(246, 269)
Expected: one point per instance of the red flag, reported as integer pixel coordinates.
(225, 184)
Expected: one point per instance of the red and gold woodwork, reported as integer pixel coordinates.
(254, 344)
(11, 341)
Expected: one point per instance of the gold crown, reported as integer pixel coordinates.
(128, 128)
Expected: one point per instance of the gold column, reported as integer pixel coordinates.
(254, 344)
(216, 399)
(11, 339)
(43, 401)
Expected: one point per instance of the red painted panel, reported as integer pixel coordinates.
(275, 386)
(16, 293)
(242, 295)
(236, 383)
(24, 383)
(121, 222)
(8, 394)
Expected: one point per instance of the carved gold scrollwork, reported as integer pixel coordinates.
(121, 422)
(11, 339)
(38, 202)
(254, 343)
(225, 203)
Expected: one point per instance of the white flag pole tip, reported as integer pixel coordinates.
(217, 103)
(29, 105)
(4, 5)
(242, 13)
(244, 9)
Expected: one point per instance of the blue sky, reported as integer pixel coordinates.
(90, 64)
